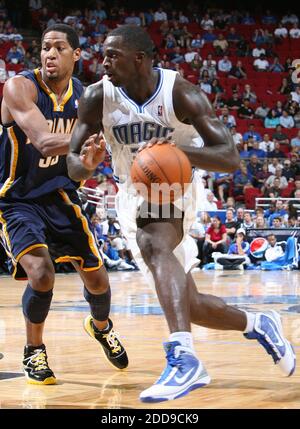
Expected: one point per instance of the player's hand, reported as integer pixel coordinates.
(92, 152)
(154, 141)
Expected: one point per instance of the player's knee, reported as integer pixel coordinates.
(97, 283)
(41, 277)
(152, 250)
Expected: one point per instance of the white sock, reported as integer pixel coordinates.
(184, 338)
(250, 322)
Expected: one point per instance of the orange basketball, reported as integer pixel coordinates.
(161, 173)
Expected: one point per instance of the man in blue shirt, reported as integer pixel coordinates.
(252, 133)
(256, 151)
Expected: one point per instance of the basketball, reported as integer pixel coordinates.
(161, 173)
(258, 247)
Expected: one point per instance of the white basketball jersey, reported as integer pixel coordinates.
(128, 124)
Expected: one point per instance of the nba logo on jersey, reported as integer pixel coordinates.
(76, 104)
(159, 110)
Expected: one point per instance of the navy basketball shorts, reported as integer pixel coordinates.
(54, 221)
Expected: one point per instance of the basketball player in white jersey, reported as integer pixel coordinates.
(134, 104)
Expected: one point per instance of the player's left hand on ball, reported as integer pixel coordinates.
(154, 141)
(92, 152)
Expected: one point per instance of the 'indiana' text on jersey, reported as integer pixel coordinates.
(138, 132)
(24, 173)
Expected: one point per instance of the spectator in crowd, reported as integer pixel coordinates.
(257, 51)
(259, 37)
(237, 137)
(268, 18)
(260, 222)
(272, 191)
(287, 171)
(111, 230)
(215, 239)
(243, 48)
(35, 5)
(277, 223)
(245, 111)
(205, 85)
(241, 246)
(209, 36)
(261, 177)
(238, 71)
(254, 167)
(205, 220)
(281, 32)
(209, 204)
(243, 151)
(277, 152)
(271, 120)
(96, 70)
(248, 221)
(278, 175)
(55, 19)
(197, 232)
(231, 118)
(176, 56)
(222, 181)
(272, 166)
(233, 37)
(240, 215)
(234, 103)
(295, 141)
(133, 19)
(196, 63)
(261, 63)
(14, 55)
(266, 144)
(248, 19)
(286, 120)
(285, 87)
(231, 224)
(280, 211)
(296, 94)
(210, 65)
(224, 65)
(197, 42)
(294, 31)
(280, 136)
(293, 222)
(290, 18)
(182, 19)
(230, 204)
(190, 55)
(206, 23)
(241, 181)
(295, 166)
(255, 150)
(160, 15)
(276, 67)
(249, 93)
(252, 133)
(220, 45)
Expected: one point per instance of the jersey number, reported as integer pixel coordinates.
(49, 161)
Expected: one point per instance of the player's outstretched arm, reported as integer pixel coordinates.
(87, 148)
(19, 98)
(192, 107)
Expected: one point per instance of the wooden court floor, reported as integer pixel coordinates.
(243, 375)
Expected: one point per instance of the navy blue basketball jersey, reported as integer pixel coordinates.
(24, 173)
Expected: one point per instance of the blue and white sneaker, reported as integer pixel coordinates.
(269, 333)
(184, 372)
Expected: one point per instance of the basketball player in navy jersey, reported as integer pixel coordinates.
(39, 205)
(135, 103)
